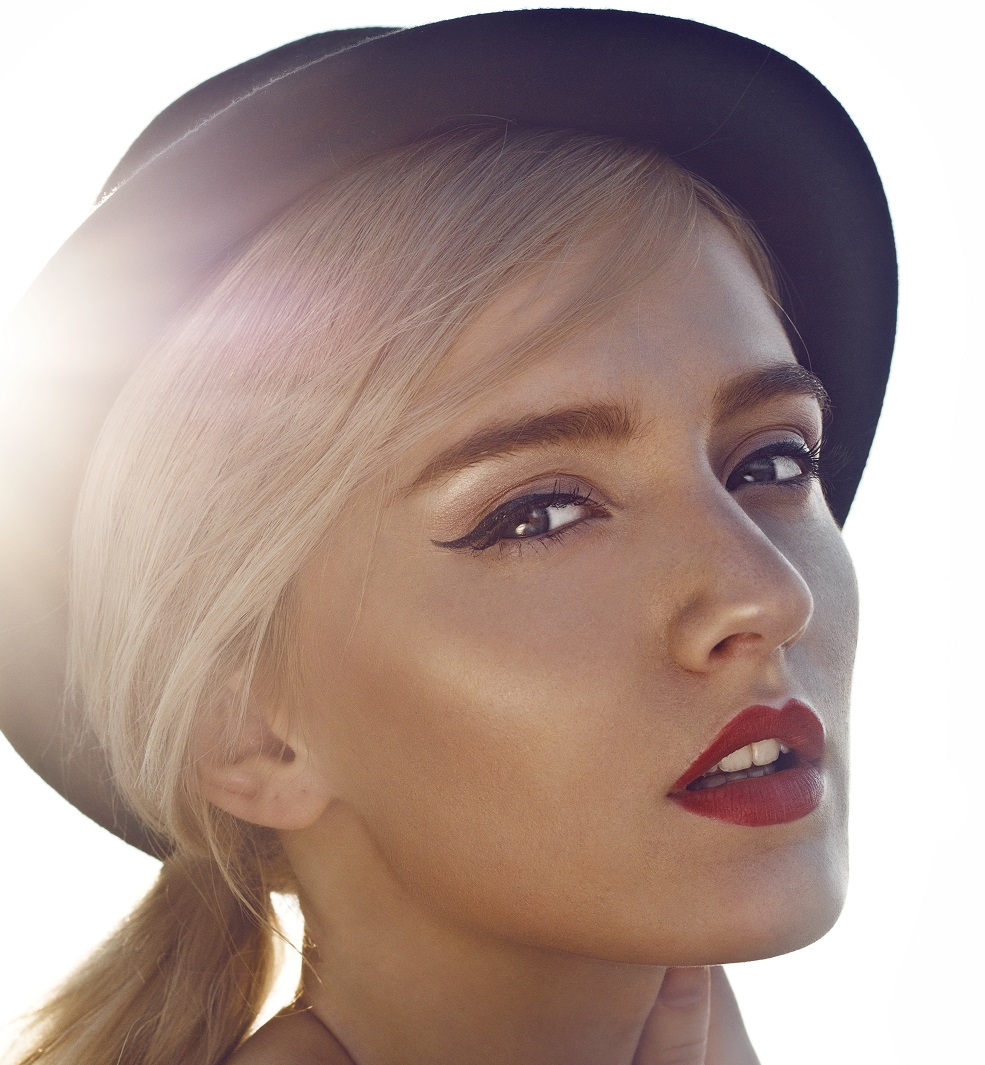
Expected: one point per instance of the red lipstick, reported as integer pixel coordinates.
(793, 786)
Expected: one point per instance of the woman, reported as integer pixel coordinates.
(315, 621)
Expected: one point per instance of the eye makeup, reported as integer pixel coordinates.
(789, 462)
(540, 516)
(545, 517)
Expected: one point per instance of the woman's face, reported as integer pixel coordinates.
(512, 665)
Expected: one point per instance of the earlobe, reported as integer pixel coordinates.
(261, 777)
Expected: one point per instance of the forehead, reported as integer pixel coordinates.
(669, 346)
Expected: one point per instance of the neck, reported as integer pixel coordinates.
(398, 984)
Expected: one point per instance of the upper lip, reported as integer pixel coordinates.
(795, 725)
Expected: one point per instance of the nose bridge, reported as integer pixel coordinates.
(739, 594)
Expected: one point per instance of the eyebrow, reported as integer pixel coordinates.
(611, 423)
(759, 386)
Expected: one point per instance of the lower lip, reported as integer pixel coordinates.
(787, 795)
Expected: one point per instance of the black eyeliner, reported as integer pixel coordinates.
(810, 456)
(555, 498)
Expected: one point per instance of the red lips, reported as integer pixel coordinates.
(787, 794)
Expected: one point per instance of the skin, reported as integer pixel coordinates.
(482, 831)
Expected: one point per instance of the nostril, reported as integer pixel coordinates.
(736, 644)
(800, 632)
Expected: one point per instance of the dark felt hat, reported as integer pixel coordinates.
(230, 154)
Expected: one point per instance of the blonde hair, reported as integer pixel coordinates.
(298, 378)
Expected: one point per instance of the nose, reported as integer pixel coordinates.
(740, 596)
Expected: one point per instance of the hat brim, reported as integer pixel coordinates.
(201, 179)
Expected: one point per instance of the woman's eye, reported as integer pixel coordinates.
(535, 517)
(785, 462)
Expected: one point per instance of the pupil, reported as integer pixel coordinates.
(538, 523)
(760, 470)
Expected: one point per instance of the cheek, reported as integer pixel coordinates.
(825, 657)
(822, 663)
(500, 745)
(483, 688)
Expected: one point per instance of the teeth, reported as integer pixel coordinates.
(737, 760)
(765, 751)
(762, 752)
(754, 760)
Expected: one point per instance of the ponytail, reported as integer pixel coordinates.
(181, 981)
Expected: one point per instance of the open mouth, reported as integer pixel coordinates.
(759, 759)
(763, 768)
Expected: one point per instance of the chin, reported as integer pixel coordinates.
(772, 934)
(774, 906)
(758, 903)
(744, 923)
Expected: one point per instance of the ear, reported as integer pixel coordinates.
(267, 776)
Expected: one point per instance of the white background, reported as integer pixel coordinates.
(898, 980)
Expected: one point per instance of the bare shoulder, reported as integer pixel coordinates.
(292, 1039)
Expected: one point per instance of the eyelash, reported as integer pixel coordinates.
(511, 513)
(808, 457)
